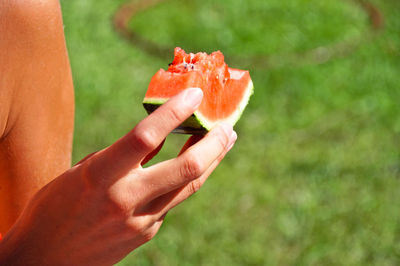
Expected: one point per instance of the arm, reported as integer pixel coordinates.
(36, 102)
(108, 204)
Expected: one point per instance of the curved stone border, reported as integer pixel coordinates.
(317, 55)
(121, 24)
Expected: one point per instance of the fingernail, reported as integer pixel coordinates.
(232, 140)
(193, 97)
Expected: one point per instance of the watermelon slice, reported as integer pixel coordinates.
(226, 90)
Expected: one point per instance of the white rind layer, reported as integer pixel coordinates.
(234, 117)
(156, 101)
(203, 121)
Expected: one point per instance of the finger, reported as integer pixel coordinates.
(152, 154)
(190, 142)
(160, 206)
(151, 131)
(146, 235)
(86, 158)
(166, 176)
(172, 199)
(129, 151)
(134, 237)
(168, 201)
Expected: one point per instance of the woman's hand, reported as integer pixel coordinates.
(108, 205)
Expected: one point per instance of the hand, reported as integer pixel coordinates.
(108, 204)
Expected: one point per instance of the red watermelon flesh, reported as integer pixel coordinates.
(226, 90)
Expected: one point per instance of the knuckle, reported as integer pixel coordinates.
(194, 187)
(150, 233)
(222, 138)
(135, 226)
(193, 166)
(118, 205)
(144, 139)
(90, 175)
(175, 114)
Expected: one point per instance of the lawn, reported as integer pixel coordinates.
(314, 178)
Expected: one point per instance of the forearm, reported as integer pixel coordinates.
(36, 102)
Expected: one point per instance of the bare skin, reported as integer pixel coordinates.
(98, 211)
(36, 102)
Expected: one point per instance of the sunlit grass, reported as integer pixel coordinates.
(243, 27)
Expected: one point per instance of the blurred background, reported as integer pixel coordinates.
(314, 178)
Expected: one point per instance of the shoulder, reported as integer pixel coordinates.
(32, 43)
(30, 13)
(25, 7)
(29, 18)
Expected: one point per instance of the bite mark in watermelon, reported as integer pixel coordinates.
(226, 90)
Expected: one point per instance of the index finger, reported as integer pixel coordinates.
(129, 151)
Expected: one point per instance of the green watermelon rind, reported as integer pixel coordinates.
(197, 123)
(192, 125)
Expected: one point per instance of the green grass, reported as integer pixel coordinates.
(314, 178)
(241, 27)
